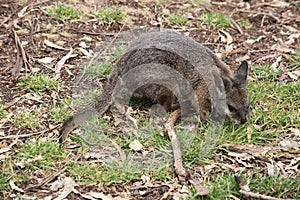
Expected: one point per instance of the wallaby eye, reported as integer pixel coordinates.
(232, 109)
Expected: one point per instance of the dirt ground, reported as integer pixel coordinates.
(274, 32)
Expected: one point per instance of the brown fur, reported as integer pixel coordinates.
(197, 64)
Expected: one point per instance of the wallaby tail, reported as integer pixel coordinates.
(97, 107)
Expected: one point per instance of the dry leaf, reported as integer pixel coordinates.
(69, 185)
(136, 145)
(279, 4)
(21, 13)
(292, 38)
(282, 48)
(294, 74)
(52, 45)
(86, 38)
(62, 61)
(251, 41)
(35, 69)
(83, 45)
(14, 187)
(275, 65)
(295, 131)
(100, 195)
(46, 60)
(85, 52)
(243, 58)
(227, 39)
(128, 112)
(146, 180)
(201, 190)
(289, 144)
(291, 29)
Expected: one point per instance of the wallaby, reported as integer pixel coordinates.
(151, 57)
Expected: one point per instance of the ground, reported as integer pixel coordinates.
(44, 54)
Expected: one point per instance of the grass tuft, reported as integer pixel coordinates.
(245, 24)
(99, 70)
(108, 16)
(63, 12)
(41, 83)
(26, 119)
(215, 20)
(178, 20)
(58, 114)
(162, 2)
(42, 154)
(265, 72)
(4, 181)
(295, 60)
(275, 186)
(3, 112)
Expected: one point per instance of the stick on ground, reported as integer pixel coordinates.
(179, 169)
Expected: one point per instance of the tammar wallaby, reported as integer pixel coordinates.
(169, 51)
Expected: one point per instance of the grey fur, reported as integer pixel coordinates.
(184, 69)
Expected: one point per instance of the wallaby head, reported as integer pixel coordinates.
(237, 94)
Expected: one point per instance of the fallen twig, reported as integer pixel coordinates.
(53, 175)
(259, 196)
(201, 190)
(236, 26)
(20, 50)
(27, 135)
(91, 33)
(170, 191)
(178, 163)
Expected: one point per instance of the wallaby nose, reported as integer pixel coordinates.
(243, 120)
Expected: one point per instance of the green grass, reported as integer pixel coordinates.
(86, 98)
(105, 175)
(4, 181)
(215, 20)
(162, 2)
(26, 119)
(3, 112)
(116, 172)
(49, 151)
(245, 24)
(223, 185)
(276, 186)
(265, 73)
(41, 83)
(178, 20)
(295, 59)
(30, 157)
(100, 70)
(109, 16)
(58, 114)
(296, 4)
(63, 12)
(117, 52)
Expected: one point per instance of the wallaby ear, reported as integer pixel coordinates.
(227, 83)
(242, 72)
